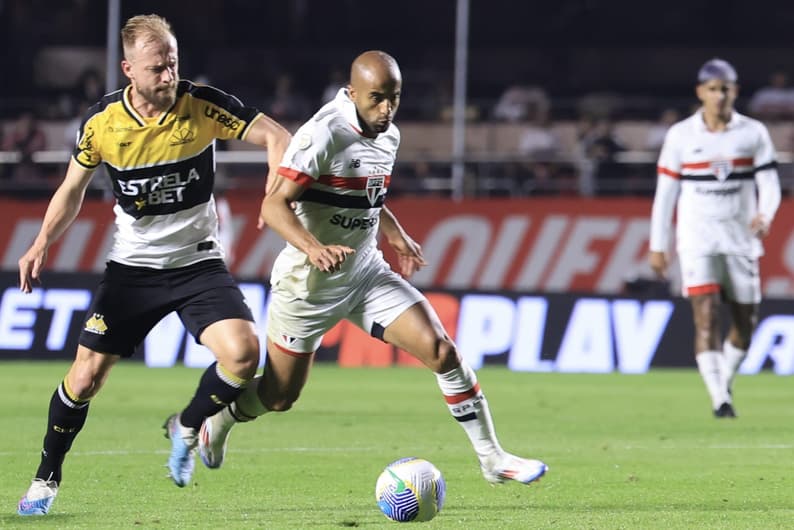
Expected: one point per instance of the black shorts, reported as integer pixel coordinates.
(130, 301)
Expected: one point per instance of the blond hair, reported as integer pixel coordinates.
(150, 27)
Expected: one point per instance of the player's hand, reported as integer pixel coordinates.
(30, 266)
(329, 258)
(759, 226)
(658, 262)
(409, 255)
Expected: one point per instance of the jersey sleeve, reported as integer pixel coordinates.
(227, 115)
(670, 161)
(87, 150)
(668, 184)
(308, 153)
(764, 157)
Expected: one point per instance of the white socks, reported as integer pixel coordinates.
(710, 367)
(733, 358)
(468, 405)
(248, 406)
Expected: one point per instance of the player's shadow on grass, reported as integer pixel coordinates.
(53, 520)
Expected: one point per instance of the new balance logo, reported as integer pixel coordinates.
(354, 163)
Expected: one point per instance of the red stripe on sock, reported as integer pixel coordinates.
(463, 396)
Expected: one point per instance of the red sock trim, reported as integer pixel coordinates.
(463, 396)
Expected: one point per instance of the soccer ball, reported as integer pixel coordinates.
(410, 489)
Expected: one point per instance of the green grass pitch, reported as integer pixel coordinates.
(633, 452)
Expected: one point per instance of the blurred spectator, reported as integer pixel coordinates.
(89, 89)
(336, 80)
(600, 105)
(72, 127)
(26, 138)
(657, 131)
(600, 147)
(419, 178)
(441, 105)
(538, 140)
(287, 104)
(774, 101)
(522, 103)
(541, 173)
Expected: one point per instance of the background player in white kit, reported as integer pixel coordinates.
(336, 171)
(721, 168)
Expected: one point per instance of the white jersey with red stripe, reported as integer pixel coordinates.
(714, 174)
(346, 176)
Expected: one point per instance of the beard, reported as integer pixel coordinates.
(159, 97)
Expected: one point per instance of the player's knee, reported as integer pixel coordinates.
(242, 356)
(446, 356)
(84, 382)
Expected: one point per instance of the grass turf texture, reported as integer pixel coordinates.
(625, 452)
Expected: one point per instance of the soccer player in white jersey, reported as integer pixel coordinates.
(157, 140)
(336, 173)
(719, 168)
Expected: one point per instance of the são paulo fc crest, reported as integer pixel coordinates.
(375, 186)
(722, 168)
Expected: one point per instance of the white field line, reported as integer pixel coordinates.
(322, 450)
(233, 451)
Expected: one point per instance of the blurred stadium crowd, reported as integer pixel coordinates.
(564, 98)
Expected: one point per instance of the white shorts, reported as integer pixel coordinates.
(736, 277)
(373, 302)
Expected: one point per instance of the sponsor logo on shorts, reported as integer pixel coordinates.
(286, 339)
(96, 324)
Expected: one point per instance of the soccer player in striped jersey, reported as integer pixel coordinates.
(157, 140)
(717, 170)
(336, 172)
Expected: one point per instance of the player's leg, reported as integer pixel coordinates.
(419, 331)
(284, 376)
(295, 330)
(708, 354)
(110, 327)
(744, 318)
(702, 278)
(219, 319)
(744, 295)
(68, 411)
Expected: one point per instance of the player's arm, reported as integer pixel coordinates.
(61, 211)
(268, 133)
(279, 215)
(668, 184)
(667, 188)
(409, 252)
(768, 184)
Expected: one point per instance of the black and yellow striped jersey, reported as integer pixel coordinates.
(162, 170)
